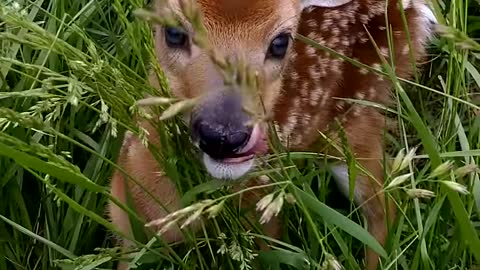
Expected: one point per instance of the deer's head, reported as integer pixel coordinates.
(259, 33)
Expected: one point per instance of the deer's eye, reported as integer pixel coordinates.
(279, 46)
(176, 37)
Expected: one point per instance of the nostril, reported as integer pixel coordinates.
(208, 134)
(237, 139)
(221, 142)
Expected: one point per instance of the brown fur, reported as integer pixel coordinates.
(301, 101)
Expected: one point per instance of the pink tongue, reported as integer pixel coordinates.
(256, 145)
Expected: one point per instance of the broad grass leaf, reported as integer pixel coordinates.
(61, 173)
(332, 217)
(39, 238)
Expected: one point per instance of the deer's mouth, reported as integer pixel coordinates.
(256, 145)
(240, 163)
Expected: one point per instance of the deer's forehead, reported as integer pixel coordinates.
(247, 16)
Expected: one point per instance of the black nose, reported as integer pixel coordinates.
(219, 124)
(220, 141)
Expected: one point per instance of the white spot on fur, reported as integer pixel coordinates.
(384, 51)
(335, 65)
(427, 13)
(357, 111)
(364, 19)
(405, 49)
(359, 95)
(340, 175)
(315, 95)
(308, 9)
(293, 55)
(425, 22)
(363, 71)
(294, 75)
(296, 139)
(310, 51)
(325, 98)
(326, 24)
(292, 120)
(340, 105)
(280, 133)
(313, 35)
(406, 3)
(344, 24)
(304, 89)
(128, 136)
(314, 73)
(333, 42)
(312, 23)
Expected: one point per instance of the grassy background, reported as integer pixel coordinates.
(70, 73)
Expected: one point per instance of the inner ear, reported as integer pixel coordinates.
(323, 3)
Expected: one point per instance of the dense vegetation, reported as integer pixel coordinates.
(70, 75)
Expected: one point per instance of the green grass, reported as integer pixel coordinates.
(70, 73)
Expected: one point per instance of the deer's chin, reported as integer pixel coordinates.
(228, 170)
(238, 165)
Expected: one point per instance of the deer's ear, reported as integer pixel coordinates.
(323, 3)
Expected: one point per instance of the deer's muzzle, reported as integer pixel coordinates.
(225, 133)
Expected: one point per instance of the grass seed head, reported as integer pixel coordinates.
(441, 170)
(272, 209)
(398, 161)
(456, 187)
(264, 179)
(265, 201)
(196, 215)
(155, 101)
(407, 159)
(290, 198)
(214, 210)
(167, 227)
(397, 181)
(420, 193)
(465, 170)
(331, 263)
(177, 108)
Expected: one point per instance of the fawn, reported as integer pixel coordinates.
(298, 84)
